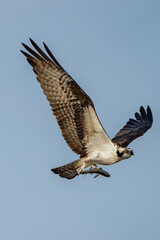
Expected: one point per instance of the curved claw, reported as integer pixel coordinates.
(98, 171)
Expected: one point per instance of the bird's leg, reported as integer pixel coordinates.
(95, 169)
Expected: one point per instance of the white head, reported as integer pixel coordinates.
(124, 153)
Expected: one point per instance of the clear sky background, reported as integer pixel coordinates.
(112, 49)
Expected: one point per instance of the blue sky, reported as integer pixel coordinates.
(111, 48)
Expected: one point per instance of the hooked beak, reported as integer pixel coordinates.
(132, 153)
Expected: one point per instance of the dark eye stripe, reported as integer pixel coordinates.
(120, 154)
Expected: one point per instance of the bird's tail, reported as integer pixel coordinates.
(70, 170)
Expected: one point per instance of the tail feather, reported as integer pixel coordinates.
(70, 170)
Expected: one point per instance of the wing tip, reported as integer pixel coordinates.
(25, 54)
(144, 122)
(146, 114)
(150, 115)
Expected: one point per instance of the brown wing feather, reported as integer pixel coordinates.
(67, 99)
(134, 128)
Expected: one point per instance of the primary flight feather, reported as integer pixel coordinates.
(77, 118)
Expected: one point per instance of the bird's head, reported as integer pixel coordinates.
(124, 153)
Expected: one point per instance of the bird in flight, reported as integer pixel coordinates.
(78, 121)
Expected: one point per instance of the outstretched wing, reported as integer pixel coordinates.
(72, 107)
(134, 128)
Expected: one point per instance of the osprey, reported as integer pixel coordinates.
(77, 118)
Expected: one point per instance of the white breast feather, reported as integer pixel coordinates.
(99, 145)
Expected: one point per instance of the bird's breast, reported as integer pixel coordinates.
(103, 157)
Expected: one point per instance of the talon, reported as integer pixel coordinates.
(98, 171)
(94, 167)
(96, 175)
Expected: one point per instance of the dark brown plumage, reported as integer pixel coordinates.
(77, 119)
(134, 128)
(66, 98)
